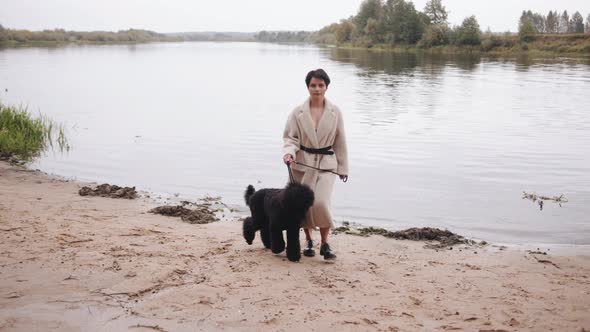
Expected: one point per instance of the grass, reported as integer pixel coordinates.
(570, 44)
(24, 137)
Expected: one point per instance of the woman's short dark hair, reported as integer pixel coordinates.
(318, 73)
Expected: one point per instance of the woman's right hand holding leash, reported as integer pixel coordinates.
(288, 159)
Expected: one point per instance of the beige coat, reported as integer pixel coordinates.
(300, 130)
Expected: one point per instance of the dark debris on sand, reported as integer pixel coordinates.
(11, 159)
(445, 238)
(107, 190)
(201, 215)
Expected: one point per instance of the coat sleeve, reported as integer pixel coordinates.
(291, 136)
(340, 148)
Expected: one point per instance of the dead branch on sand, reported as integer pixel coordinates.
(153, 327)
(11, 229)
(546, 261)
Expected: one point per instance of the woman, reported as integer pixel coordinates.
(314, 139)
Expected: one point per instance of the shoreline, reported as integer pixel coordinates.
(451, 50)
(446, 50)
(240, 211)
(73, 263)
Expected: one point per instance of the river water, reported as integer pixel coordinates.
(450, 142)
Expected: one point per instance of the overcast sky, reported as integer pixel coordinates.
(244, 15)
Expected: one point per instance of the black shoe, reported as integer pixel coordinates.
(309, 251)
(327, 252)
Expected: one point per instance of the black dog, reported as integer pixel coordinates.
(275, 210)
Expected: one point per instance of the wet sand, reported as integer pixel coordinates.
(73, 263)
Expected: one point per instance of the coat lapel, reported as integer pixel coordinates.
(307, 124)
(326, 122)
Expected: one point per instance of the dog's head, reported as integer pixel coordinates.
(297, 197)
(248, 230)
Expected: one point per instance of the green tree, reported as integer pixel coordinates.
(490, 40)
(372, 31)
(526, 30)
(344, 31)
(329, 28)
(3, 34)
(436, 12)
(526, 16)
(469, 32)
(564, 22)
(368, 9)
(401, 23)
(552, 22)
(435, 34)
(390, 20)
(540, 22)
(263, 36)
(577, 23)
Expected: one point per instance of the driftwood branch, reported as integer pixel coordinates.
(546, 261)
(534, 197)
(11, 229)
(80, 241)
(152, 327)
(540, 199)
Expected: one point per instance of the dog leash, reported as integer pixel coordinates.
(291, 179)
(316, 168)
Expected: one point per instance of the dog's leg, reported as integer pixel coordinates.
(248, 230)
(277, 242)
(293, 245)
(265, 236)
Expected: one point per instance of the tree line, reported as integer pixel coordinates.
(532, 24)
(398, 22)
(555, 22)
(61, 35)
(282, 36)
(121, 36)
(386, 22)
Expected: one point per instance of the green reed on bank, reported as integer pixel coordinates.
(24, 137)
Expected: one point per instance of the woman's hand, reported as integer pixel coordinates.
(288, 159)
(344, 178)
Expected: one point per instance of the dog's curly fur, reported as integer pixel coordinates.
(275, 210)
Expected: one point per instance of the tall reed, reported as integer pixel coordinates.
(24, 137)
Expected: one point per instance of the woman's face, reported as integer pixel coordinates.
(317, 87)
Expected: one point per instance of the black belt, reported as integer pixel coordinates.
(327, 150)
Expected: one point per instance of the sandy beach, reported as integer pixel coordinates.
(73, 263)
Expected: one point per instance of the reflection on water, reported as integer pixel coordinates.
(402, 63)
(455, 140)
(435, 140)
